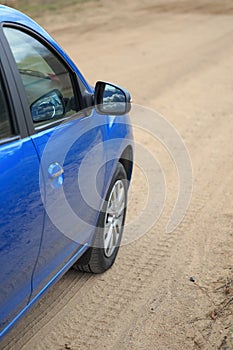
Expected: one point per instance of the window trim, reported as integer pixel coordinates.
(13, 132)
(9, 139)
(16, 118)
(79, 101)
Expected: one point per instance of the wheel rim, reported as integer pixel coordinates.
(114, 217)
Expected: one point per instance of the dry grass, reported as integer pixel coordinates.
(37, 8)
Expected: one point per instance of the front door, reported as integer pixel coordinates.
(71, 151)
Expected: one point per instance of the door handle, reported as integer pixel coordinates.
(55, 170)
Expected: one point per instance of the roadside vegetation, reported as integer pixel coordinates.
(38, 8)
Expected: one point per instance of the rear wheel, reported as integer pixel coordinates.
(103, 252)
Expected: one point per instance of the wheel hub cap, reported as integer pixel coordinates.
(114, 218)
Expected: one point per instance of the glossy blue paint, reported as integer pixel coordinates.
(21, 225)
(67, 145)
(43, 175)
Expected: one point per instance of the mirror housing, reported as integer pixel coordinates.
(49, 106)
(111, 99)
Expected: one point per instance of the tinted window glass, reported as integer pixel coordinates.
(46, 80)
(5, 125)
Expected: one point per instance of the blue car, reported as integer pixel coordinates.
(66, 158)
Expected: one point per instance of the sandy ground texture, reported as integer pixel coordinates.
(175, 57)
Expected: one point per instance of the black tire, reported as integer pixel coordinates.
(95, 259)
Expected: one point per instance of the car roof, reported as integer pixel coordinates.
(10, 15)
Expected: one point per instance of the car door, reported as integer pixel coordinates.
(21, 207)
(70, 147)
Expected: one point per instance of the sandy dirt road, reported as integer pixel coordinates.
(175, 57)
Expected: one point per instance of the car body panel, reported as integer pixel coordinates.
(69, 222)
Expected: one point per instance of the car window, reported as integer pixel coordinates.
(46, 80)
(6, 130)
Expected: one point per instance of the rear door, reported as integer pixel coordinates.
(21, 208)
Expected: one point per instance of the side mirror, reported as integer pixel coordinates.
(111, 99)
(49, 106)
